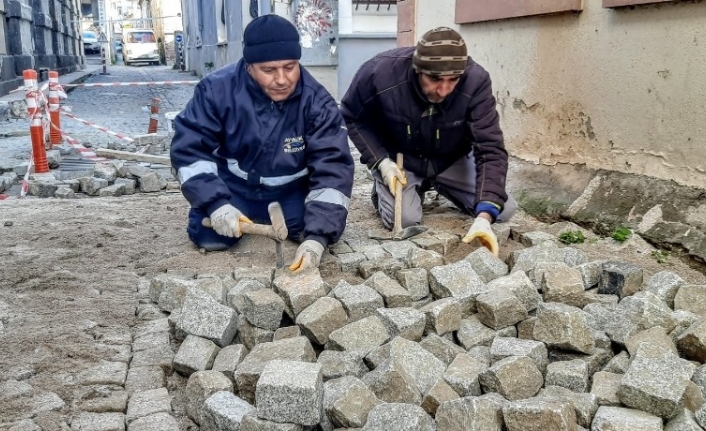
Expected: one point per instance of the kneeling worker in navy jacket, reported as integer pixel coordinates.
(259, 131)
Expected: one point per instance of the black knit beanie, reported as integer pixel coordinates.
(270, 38)
(440, 51)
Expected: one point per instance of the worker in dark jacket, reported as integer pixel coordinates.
(434, 105)
(259, 131)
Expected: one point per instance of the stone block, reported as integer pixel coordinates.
(526, 259)
(205, 317)
(470, 414)
(428, 242)
(195, 354)
(532, 238)
(665, 286)
(247, 373)
(590, 273)
(538, 415)
(565, 327)
(336, 364)
(228, 358)
(104, 373)
(398, 249)
(423, 259)
(84, 421)
(106, 171)
(501, 377)
(692, 342)
(365, 334)
(482, 353)
(437, 395)
(502, 348)
(391, 291)
(620, 278)
(263, 275)
(500, 308)
(250, 335)
(161, 356)
(573, 256)
(472, 332)
(565, 285)
(224, 411)
(200, 386)
(347, 402)
(391, 383)
(128, 185)
(172, 293)
(622, 419)
(423, 367)
(147, 403)
(618, 364)
(236, 294)
(442, 316)
(444, 349)
(521, 286)
(585, 405)
(691, 297)
(359, 301)
(388, 265)
(460, 281)
(572, 375)
(324, 316)
(487, 265)
(684, 421)
(263, 308)
(416, 281)
(463, 375)
(155, 422)
(643, 385)
(252, 423)
(398, 417)
(287, 332)
(91, 185)
(655, 336)
(525, 329)
(145, 378)
(213, 286)
(290, 391)
(407, 323)
(114, 191)
(43, 188)
(350, 262)
(300, 290)
(636, 313)
(605, 387)
(64, 193)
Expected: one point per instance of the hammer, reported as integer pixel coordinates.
(276, 231)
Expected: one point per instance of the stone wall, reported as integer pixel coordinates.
(38, 34)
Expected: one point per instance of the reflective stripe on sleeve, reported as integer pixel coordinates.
(197, 168)
(234, 167)
(330, 196)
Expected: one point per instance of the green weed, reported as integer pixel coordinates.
(572, 237)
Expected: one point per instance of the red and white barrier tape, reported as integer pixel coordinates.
(96, 126)
(131, 84)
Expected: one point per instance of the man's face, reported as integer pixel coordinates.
(278, 79)
(438, 88)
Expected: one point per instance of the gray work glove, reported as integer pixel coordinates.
(226, 221)
(308, 256)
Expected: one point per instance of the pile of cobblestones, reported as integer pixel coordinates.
(546, 340)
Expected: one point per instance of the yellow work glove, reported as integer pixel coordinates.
(226, 221)
(481, 230)
(390, 174)
(308, 255)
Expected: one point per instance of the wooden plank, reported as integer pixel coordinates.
(135, 157)
(470, 11)
(623, 3)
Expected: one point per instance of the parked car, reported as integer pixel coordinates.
(140, 46)
(90, 43)
(117, 45)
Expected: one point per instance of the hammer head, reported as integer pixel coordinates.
(279, 226)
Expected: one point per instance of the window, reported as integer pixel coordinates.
(375, 3)
(221, 20)
(470, 11)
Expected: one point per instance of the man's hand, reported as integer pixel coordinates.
(308, 256)
(391, 174)
(226, 221)
(481, 230)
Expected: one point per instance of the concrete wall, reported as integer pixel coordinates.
(38, 34)
(614, 89)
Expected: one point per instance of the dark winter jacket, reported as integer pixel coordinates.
(386, 113)
(232, 138)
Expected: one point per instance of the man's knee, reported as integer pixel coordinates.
(205, 237)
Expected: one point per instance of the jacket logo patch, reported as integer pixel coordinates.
(294, 145)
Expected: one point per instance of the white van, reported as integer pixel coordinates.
(140, 46)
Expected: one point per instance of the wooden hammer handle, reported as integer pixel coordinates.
(398, 198)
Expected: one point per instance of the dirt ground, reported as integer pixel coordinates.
(70, 270)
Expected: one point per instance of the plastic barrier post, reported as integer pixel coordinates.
(154, 116)
(36, 129)
(54, 109)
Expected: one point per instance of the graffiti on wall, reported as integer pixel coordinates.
(313, 19)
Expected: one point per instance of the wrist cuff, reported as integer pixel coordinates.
(318, 238)
(213, 206)
(488, 207)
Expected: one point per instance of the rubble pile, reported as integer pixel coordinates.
(545, 341)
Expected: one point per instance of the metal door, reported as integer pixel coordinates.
(317, 22)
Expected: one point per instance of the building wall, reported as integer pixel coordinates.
(616, 89)
(41, 35)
